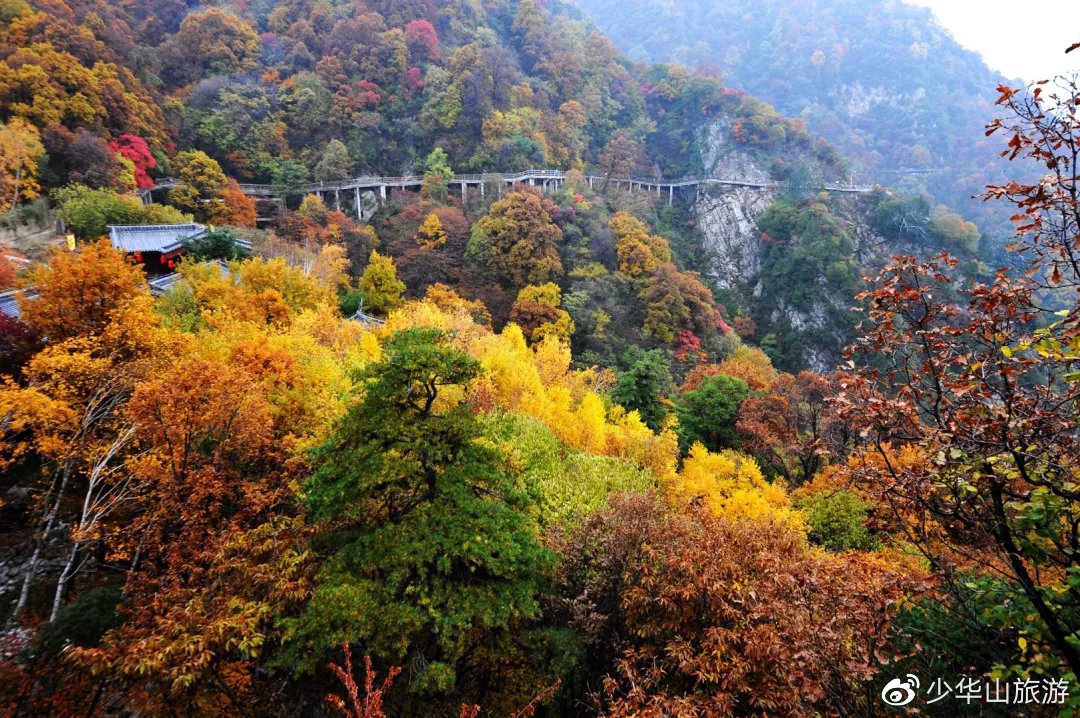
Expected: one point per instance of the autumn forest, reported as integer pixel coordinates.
(436, 358)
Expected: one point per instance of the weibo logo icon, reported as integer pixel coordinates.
(900, 691)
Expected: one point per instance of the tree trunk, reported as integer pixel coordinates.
(18, 181)
(62, 581)
(28, 576)
(31, 567)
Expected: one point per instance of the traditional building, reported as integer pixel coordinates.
(157, 246)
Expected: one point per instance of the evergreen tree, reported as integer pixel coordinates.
(708, 413)
(215, 244)
(335, 163)
(645, 387)
(431, 550)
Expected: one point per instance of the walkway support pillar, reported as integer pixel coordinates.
(358, 208)
(670, 194)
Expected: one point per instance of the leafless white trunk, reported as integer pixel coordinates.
(104, 492)
(30, 568)
(101, 406)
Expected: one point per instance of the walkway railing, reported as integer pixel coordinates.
(376, 182)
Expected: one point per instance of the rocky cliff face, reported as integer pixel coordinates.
(727, 216)
(855, 100)
(727, 222)
(723, 159)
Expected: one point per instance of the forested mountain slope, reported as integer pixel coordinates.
(879, 78)
(108, 96)
(288, 91)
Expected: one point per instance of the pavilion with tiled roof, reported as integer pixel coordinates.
(154, 244)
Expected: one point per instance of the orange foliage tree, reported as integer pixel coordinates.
(69, 413)
(211, 553)
(518, 241)
(77, 291)
(726, 617)
(638, 251)
(747, 363)
(236, 208)
(675, 300)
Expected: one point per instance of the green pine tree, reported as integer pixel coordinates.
(431, 547)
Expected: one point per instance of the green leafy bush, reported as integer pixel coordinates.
(838, 521)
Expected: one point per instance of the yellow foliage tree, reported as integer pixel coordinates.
(540, 382)
(380, 285)
(20, 150)
(451, 302)
(314, 209)
(256, 291)
(202, 183)
(537, 312)
(638, 251)
(331, 266)
(752, 365)
(731, 484)
(431, 233)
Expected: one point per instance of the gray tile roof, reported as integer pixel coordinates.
(162, 284)
(366, 320)
(153, 237)
(9, 304)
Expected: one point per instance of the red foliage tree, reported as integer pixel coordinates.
(7, 271)
(980, 384)
(368, 706)
(135, 149)
(17, 343)
(422, 40)
(792, 429)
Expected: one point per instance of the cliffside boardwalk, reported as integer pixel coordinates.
(547, 179)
